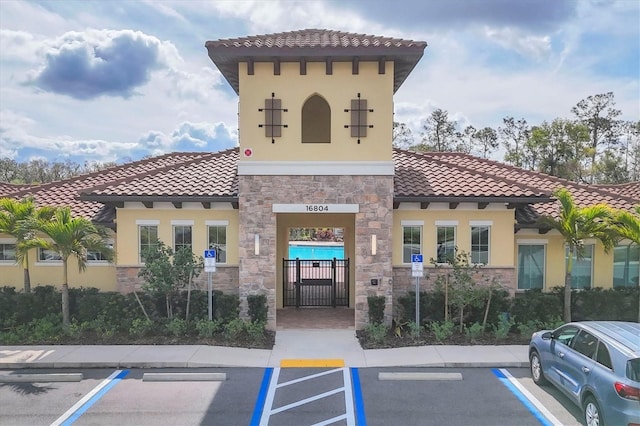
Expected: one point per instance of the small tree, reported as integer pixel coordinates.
(576, 224)
(166, 273)
(72, 237)
(459, 285)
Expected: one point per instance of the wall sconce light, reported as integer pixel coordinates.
(256, 244)
(374, 244)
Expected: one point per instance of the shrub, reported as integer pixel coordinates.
(177, 327)
(442, 330)
(376, 309)
(258, 307)
(377, 332)
(227, 307)
(206, 328)
(502, 329)
(528, 328)
(256, 332)
(534, 305)
(47, 329)
(234, 328)
(141, 327)
(474, 332)
(407, 306)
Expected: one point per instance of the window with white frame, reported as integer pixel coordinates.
(531, 265)
(7, 252)
(147, 238)
(46, 255)
(445, 241)
(582, 270)
(480, 237)
(626, 265)
(182, 237)
(98, 256)
(217, 239)
(411, 239)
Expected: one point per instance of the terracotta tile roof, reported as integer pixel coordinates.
(420, 177)
(583, 195)
(208, 177)
(8, 188)
(314, 38)
(631, 189)
(425, 175)
(314, 45)
(65, 192)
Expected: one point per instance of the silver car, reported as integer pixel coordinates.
(596, 364)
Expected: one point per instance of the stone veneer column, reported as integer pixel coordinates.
(373, 194)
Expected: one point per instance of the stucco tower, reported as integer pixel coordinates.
(315, 125)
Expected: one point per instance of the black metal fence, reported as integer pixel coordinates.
(315, 282)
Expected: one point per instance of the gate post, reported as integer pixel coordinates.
(333, 282)
(297, 284)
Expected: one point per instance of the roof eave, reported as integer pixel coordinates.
(158, 198)
(472, 199)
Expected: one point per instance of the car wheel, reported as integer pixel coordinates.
(592, 413)
(536, 369)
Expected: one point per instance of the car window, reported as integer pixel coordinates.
(585, 343)
(633, 369)
(603, 357)
(565, 334)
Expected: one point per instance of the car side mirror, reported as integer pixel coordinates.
(547, 335)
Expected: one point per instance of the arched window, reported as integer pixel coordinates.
(316, 120)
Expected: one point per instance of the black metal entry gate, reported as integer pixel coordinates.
(315, 282)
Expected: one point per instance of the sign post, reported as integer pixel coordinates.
(417, 271)
(209, 267)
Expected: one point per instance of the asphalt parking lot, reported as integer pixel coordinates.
(284, 396)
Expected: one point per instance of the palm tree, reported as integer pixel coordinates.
(19, 218)
(628, 227)
(72, 236)
(576, 224)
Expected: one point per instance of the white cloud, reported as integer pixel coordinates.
(536, 47)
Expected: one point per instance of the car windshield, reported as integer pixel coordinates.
(633, 369)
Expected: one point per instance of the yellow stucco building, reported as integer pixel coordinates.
(315, 123)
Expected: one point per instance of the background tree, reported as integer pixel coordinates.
(438, 132)
(42, 171)
(561, 147)
(514, 135)
(402, 136)
(70, 236)
(576, 224)
(19, 218)
(597, 112)
(465, 139)
(485, 141)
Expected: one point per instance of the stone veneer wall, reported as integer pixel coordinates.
(403, 282)
(224, 279)
(373, 194)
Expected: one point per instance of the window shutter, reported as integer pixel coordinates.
(358, 118)
(273, 118)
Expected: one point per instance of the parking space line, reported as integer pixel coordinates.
(352, 392)
(80, 407)
(539, 411)
(361, 419)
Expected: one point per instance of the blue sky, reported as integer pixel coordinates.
(121, 80)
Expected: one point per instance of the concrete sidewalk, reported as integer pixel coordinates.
(289, 344)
